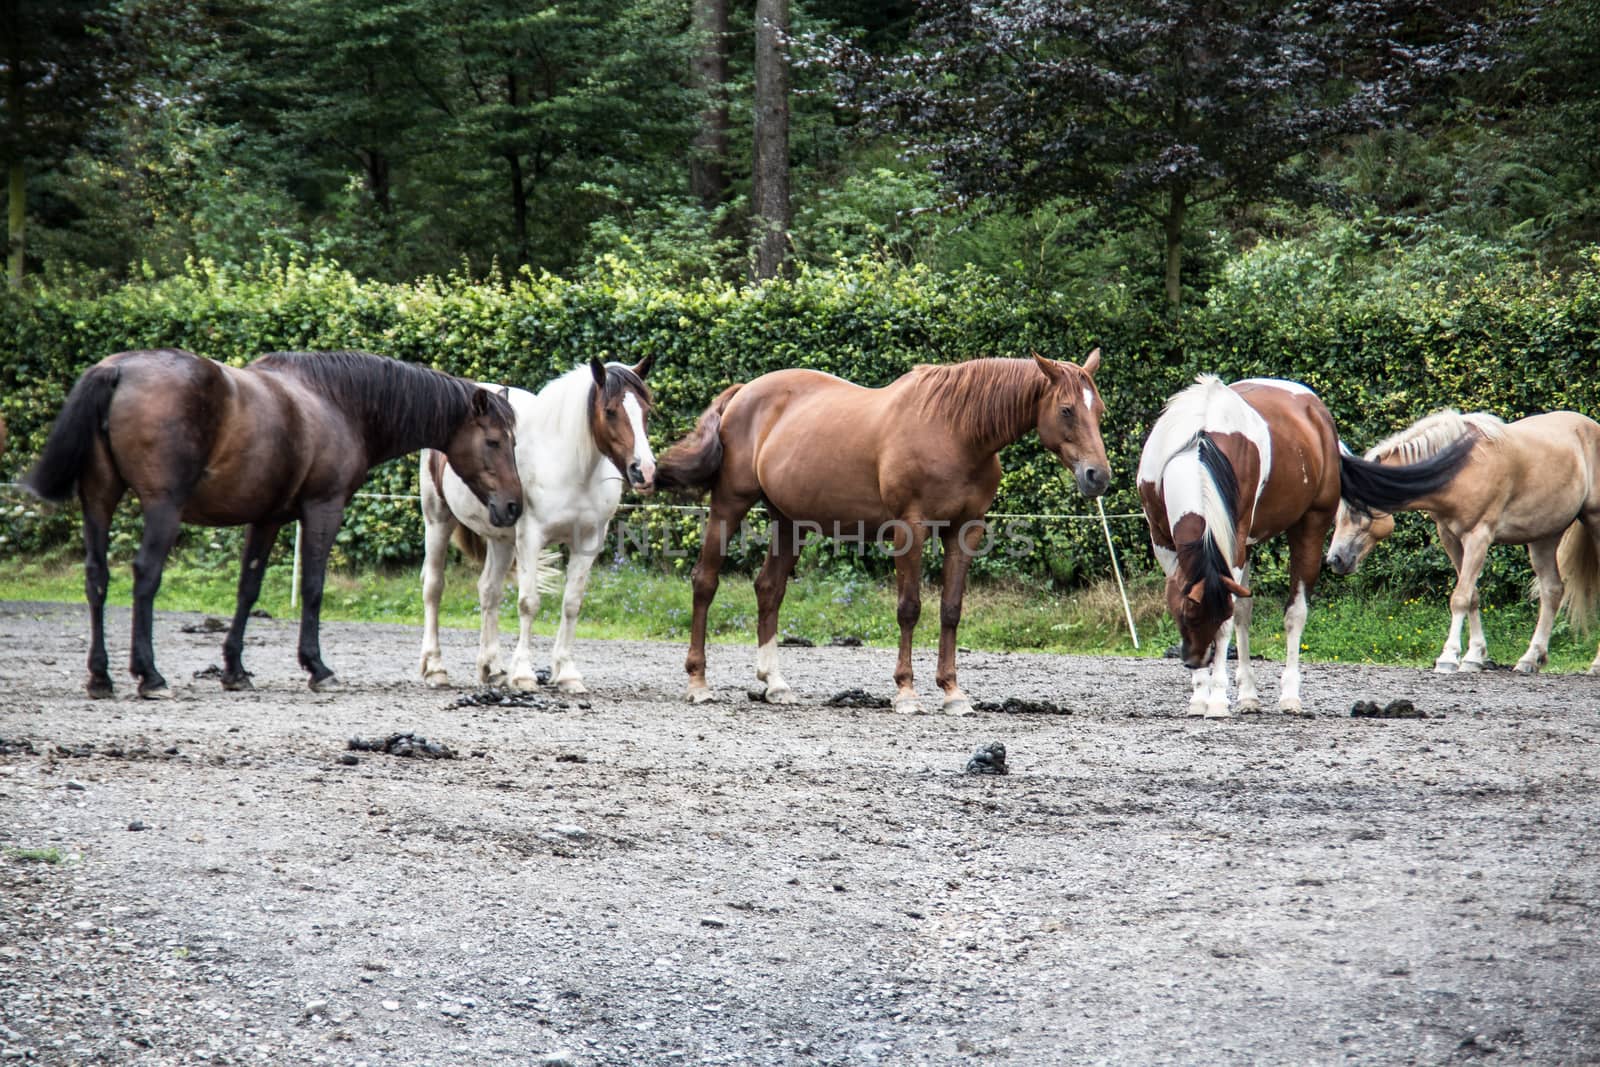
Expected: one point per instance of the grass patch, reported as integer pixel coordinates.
(631, 601)
(34, 855)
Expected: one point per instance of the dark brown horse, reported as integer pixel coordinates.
(1226, 467)
(291, 436)
(893, 464)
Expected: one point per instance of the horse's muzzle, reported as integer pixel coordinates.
(1339, 563)
(641, 479)
(505, 514)
(1093, 479)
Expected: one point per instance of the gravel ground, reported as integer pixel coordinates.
(632, 880)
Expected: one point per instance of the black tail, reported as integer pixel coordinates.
(1373, 486)
(690, 467)
(82, 418)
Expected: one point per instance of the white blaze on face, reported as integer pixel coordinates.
(641, 444)
(1088, 399)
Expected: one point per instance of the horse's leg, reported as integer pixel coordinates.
(773, 581)
(497, 557)
(960, 544)
(1244, 675)
(435, 555)
(1305, 564)
(258, 542)
(1217, 697)
(586, 546)
(720, 526)
(908, 540)
(99, 496)
(1474, 550)
(530, 543)
(319, 525)
(161, 527)
(1543, 556)
(1477, 645)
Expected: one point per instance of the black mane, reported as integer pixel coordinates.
(402, 406)
(1202, 559)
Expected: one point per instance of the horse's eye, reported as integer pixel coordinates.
(1069, 413)
(492, 443)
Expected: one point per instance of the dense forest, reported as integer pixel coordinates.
(1138, 143)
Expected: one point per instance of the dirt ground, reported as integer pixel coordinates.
(631, 880)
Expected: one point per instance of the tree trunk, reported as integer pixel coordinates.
(708, 176)
(519, 208)
(17, 221)
(770, 181)
(1177, 207)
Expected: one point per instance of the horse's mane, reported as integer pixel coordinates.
(985, 399)
(565, 400)
(397, 402)
(1430, 434)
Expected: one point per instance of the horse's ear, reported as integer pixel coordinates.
(642, 368)
(480, 402)
(505, 392)
(597, 367)
(1092, 364)
(1234, 587)
(1197, 591)
(1050, 367)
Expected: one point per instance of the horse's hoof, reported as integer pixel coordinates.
(330, 684)
(699, 694)
(100, 689)
(1291, 706)
(1249, 706)
(495, 678)
(1445, 666)
(780, 694)
(1218, 711)
(957, 706)
(1525, 666)
(437, 679)
(524, 683)
(237, 684)
(155, 692)
(1472, 666)
(572, 685)
(1197, 708)
(908, 706)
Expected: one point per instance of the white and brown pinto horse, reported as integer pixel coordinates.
(1224, 468)
(577, 439)
(1533, 482)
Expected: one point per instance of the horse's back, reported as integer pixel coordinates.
(1304, 473)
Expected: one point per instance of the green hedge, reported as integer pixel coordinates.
(1379, 355)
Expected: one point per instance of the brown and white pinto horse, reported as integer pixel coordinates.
(892, 464)
(1226, 467)
(1535, 481)
(289, 437)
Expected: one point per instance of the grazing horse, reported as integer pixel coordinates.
(576, 441)
(889, 464)
(291, 436)
(1533, 482)
(1226, 467)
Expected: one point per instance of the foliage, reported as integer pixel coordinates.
(1149, 105)
(1376, 333)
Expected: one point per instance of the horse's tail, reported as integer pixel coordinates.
(1373, 486)
(81, 422)
(690, 467)
(470, 543)
(1578, 563)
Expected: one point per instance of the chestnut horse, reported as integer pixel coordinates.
(1536, 482)
(577, 438)
(1226, 467)
(889, 464)
(291, 436)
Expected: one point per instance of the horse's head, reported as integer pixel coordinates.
(619, 404)
(482, 453)
(1200, 591)
(1355, 533)
(1069, 421)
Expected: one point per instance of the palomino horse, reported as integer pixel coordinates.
(1535, 481)
(291, 436)
(892, 464)
(1224, 468)
(576, 440)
